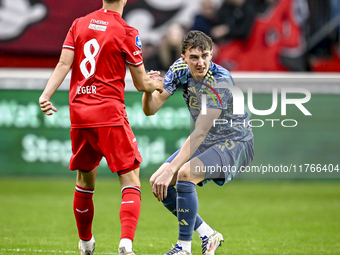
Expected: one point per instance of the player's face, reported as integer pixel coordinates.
(198, 62)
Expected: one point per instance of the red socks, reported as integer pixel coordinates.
(130, 211)
(83, 211)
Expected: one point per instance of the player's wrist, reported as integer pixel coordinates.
(148, 93)
(171, 169)
(44, 98)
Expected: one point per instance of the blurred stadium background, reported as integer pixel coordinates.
(292, 43)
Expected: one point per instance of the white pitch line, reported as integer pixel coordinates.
(46, 251)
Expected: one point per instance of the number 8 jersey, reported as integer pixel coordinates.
(103, 43)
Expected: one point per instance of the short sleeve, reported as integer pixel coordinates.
(132, 46)
(69, 40)
(175, 76)
(170, 83)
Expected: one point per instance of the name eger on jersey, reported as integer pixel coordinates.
(86, 90)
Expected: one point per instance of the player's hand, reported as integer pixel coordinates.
(154, 74)
(160, 185)
(153, 178)
(160, 89)
(46, 106)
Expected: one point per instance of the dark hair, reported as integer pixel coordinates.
(111, 1)
(194, 39)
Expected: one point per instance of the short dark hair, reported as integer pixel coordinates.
(111, 1)
(194, 39)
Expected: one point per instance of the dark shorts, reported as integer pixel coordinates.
(117, 144)
(222, 162)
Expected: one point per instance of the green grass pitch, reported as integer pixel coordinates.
(255, 217)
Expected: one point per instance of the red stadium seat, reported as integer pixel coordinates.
(272, 33)
(327, 64)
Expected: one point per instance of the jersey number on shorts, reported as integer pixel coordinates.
(91, 49)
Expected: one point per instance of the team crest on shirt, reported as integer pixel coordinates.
(168, 77)
(138, 42)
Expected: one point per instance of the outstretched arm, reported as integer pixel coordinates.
(57, 77)
(202, 127)
(152, 102)
(143, 82)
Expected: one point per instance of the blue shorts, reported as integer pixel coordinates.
(222, 161)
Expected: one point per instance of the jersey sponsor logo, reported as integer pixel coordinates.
(99, 22)
(97, 27)
(138, 42)
(168, 77)
(193, 102)
(137, 52)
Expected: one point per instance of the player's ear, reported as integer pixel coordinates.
(183, 58)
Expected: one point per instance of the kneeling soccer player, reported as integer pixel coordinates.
(211, 152)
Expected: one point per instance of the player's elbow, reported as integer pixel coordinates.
(143, 87)
(148, 112)
(139, 85)
(64, 65)
(140, 88)
(200, 134)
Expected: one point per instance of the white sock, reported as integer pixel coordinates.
(87, 245)
(127, 243)
(186, 245)
(204, 230)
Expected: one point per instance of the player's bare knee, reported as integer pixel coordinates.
(184, 174)
(86, 179)
(129, 179)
